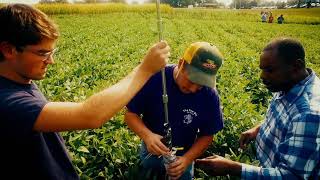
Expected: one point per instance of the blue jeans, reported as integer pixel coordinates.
(156, 164)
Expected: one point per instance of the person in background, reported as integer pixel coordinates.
(280, 19)
(270, 20)
(264, 17)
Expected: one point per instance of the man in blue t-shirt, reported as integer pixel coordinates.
(31, 147)
(193, 108)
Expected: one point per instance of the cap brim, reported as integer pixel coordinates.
(199, 77)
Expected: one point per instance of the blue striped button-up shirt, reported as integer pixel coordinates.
(288, 142)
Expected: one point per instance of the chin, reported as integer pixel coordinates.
(39, 77)
(185, 91)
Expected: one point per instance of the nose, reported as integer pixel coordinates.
(264, 78)
(49, 60)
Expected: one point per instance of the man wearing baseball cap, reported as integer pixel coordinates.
(193, 108)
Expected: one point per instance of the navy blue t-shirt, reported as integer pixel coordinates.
(190, 115)
(27, 154)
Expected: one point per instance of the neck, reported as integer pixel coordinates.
(7, 72)
(301, 76)
(175, 72)
(304, 73)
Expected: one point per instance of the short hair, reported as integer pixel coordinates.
(23, 25)
(287, 49)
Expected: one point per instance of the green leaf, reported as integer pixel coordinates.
(83, 149)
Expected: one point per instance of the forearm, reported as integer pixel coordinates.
(102, 106)
(200, 145)
(235, 168)
(254, 172)
(136, 124)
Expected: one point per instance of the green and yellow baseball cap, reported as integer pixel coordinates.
(202, 63)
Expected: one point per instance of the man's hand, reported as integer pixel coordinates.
(219, 166)
(177, 168)
(155, 146)
(248, 136)
(156, 58)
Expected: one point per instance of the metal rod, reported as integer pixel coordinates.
(165, 98)
(159, 20)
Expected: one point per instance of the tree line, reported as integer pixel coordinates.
(237, 4)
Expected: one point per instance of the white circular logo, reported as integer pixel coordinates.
(187, 119)
(189, 115)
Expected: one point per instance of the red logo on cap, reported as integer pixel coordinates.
(209, 65)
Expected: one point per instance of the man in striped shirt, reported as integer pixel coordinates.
(288, 141)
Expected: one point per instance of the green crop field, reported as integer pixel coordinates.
(100, 44)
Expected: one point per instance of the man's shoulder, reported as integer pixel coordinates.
(306, 96)
(157, 77)
(209, 92)
(313, 95)
(11, 99)
(7, 94)
(168, 68)
(308, 103)
(314, 87)
(316, 81)
(153, 87)
(208, 98)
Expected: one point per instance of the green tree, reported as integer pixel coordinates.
(180, 3)
(292, 2)
(280, 5)
(243, 4)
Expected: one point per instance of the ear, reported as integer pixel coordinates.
(180, 67)
(7, 50)
(181, 63)
(298, 65)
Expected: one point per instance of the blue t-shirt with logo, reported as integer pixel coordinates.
(27, 154)
(190, 115)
